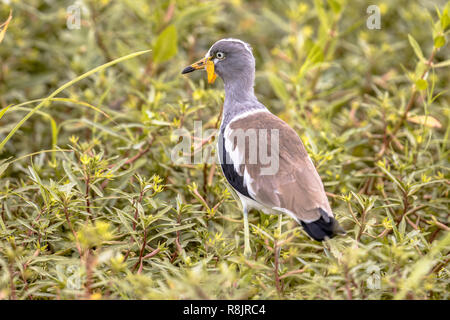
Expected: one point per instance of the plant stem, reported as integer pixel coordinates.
(408, 107)
(12, 286)
(86, 193)
(66, 213)
(141, 253)
(276, 252)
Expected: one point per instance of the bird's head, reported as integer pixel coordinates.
(230, 59)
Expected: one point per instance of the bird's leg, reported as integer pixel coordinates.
(247, 249)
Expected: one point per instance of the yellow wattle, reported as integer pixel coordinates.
(210, 71)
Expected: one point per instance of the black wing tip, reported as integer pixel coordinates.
(321, 230)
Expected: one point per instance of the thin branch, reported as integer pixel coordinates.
(408, 107)
(347, 283)
(66, 213)
(87, 192)
(12, 286)
(141, 253)
(291, 273)
(278, 284)
(151, 254)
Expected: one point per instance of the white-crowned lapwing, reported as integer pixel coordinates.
(263, 158)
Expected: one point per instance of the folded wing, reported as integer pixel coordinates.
(285, 179)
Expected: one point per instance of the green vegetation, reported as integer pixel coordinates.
(92, 206)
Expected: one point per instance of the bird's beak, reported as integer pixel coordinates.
(205, 63)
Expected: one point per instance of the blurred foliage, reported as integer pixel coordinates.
(92, 207)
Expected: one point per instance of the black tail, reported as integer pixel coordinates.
(325, 227)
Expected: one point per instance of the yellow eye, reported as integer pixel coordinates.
(220, 55)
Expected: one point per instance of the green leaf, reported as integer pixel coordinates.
(315, 56)
(3, 111)
(166, 45)
(394, 227)
(439, 41)
(3, 167)
(445, 17)
(402, 227)
(416, 47)
(105, 130)
(97, 190)
(278, 86)
(335, 6)
(170, 230)
(396, 181)
(35, 176)
(321, 13)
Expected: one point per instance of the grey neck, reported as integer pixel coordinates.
(239, 98)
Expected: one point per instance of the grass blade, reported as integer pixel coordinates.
(63, 87)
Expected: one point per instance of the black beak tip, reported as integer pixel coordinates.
(187, 70)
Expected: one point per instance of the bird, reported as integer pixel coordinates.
(290, 186)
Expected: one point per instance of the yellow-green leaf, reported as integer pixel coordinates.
(335, 6)
(3, 111)
(439, 41)
(3, 167)
(421, 84)
(278, 86)
(166, 45)
(427, 121)
(445, 17)
(415, 47)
